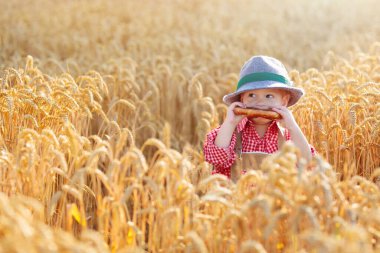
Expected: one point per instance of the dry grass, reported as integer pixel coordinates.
(101, 128)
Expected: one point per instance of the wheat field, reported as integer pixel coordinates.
(105, 105)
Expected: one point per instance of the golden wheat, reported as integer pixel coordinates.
(102, 128)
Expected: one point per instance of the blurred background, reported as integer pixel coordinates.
(90, 33)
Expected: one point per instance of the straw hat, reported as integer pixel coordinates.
(264, 72)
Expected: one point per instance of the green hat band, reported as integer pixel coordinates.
(263, 76)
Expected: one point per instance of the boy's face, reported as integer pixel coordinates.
(265, 99)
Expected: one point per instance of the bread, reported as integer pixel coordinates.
(256, 113)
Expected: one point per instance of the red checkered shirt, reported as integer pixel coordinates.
(223, 158)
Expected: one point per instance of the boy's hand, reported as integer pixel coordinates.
(231, 116)
(287, 120)
(297, 136)
(223, 139)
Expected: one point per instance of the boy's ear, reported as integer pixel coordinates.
(285, 99)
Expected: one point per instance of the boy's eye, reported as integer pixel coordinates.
(269, 96)
(251, 95)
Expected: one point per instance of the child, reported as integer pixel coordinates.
(264, 84)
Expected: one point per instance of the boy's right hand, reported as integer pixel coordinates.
(231, 117)
(223, 138)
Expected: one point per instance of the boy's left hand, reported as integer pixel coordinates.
(287, 120)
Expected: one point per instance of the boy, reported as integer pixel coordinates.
(264, 84)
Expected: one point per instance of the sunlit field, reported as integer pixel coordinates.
(105, 106)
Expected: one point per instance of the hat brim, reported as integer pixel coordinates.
(295, 93)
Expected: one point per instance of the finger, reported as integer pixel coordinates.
(282, 109)
(275, 106)
(237, 104)
(279, 111)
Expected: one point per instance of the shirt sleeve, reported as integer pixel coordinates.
(221, 158)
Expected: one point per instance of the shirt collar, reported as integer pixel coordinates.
(242, 124)
(272, 132)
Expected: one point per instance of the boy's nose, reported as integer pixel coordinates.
(261, 102)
